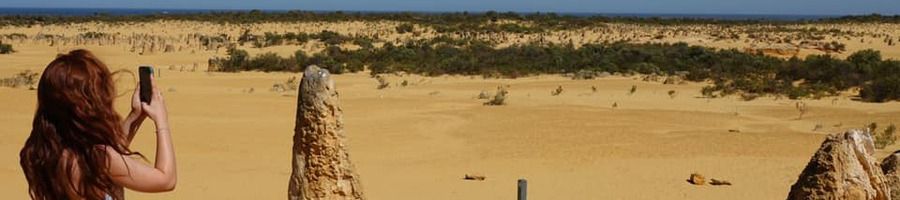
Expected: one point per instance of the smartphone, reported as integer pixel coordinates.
(146, 88)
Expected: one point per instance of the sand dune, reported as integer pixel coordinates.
(418, 141)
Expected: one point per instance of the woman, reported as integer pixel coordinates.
(78, 148)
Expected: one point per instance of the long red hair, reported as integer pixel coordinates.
(74, 122)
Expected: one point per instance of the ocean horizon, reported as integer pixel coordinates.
(149, 11)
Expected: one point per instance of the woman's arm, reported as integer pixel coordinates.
(135, 118)
(136, 175)
(131, 124)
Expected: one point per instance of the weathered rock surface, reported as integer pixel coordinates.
(891, 168)
(697, 179)
(842, 168)
(321, 165)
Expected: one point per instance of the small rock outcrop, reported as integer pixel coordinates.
(697, 179)
(321, 165)
(842, 168)
(474, 177)
(891, 168)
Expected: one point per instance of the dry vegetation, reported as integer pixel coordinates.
(747, 58)
(25, 78)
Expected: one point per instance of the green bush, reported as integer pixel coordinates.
(268, 62)
(273, 39)
(333, 59)
(404, 28)
(730, 71)
(236, 61)
(6, 48)
(331, 38)
(882, 89)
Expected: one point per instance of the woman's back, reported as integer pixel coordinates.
(78, 147)
(75, 178)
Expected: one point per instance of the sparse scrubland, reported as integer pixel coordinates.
(731, 71)
(490, 44)
(444, 22)
(479, 44)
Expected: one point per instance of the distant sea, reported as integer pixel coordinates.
(134, 11)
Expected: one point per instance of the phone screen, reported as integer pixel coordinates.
(146, 88)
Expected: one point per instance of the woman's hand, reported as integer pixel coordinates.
(136, 109)
(156, 109)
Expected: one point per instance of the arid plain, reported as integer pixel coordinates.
(232, 133)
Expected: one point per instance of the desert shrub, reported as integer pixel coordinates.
(273, 39)
(207, 40)
(886, 137)
(709, 91)
(331, 38)
(300, 38)
(246, 37)
(237, 60)
(14, 36)
(300, 57)
(328, 37)
(269, 62)
(404, 28)
(865, 60)
(289, 85)
(93, 35)
(6, 48)
(382, 82)
(557, 91)
(882, 89)
(883, 84)
(24, 78)
(337, 61)
(499, 98)
(835, 46)
(365, 43)
(240, 60)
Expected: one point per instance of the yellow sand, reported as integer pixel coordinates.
(418, 141)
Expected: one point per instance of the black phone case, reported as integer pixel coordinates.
(146, 88)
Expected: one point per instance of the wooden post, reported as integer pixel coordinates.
(523, 190)
(321, 165)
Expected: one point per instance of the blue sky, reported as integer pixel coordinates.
(799, 7)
